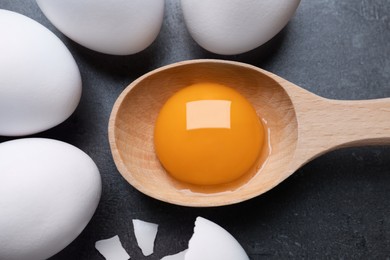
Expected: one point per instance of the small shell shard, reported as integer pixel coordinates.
(178, 256)
(112, 249)
(145, 234)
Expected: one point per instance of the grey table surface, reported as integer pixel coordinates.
(337, 206)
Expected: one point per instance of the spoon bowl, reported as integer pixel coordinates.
(301, 126)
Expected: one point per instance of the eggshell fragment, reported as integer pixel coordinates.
(119, 27)
(210, 242)
(49, 191)
(236, 26)
(178, 256)
(112, 249)
(40, 84)
(145, 234)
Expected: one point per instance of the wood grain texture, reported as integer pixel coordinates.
(326, 124)
(301, 126)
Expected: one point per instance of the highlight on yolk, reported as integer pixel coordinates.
(208, 134)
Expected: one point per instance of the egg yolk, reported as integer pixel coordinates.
(208, 134)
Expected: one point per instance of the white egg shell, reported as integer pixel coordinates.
(40, 83)
(210, 242)
(235, 26)
(145, 234)
(177, 256)
(118, 27)
(112, 249)
(49, 191)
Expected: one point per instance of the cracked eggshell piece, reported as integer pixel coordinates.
(49, 191)
(145, 234)
(40, 83)
(178, 256)
(210, 242)
(112, 249)
(236, 26)
(118, 27)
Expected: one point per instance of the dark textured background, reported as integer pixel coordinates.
(337, 206)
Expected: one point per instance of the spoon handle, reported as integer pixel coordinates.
(330, 124)
(362, 123)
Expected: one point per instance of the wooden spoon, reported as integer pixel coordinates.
(301, 126)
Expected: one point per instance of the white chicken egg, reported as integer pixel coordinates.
(49, 191)
(118, 27)
(40, 83)
(235, 26)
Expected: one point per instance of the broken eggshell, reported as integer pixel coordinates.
(209, 242)
(145, 234)
(112, 249)
(178, 256)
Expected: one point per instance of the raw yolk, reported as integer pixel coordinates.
(208, 134)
